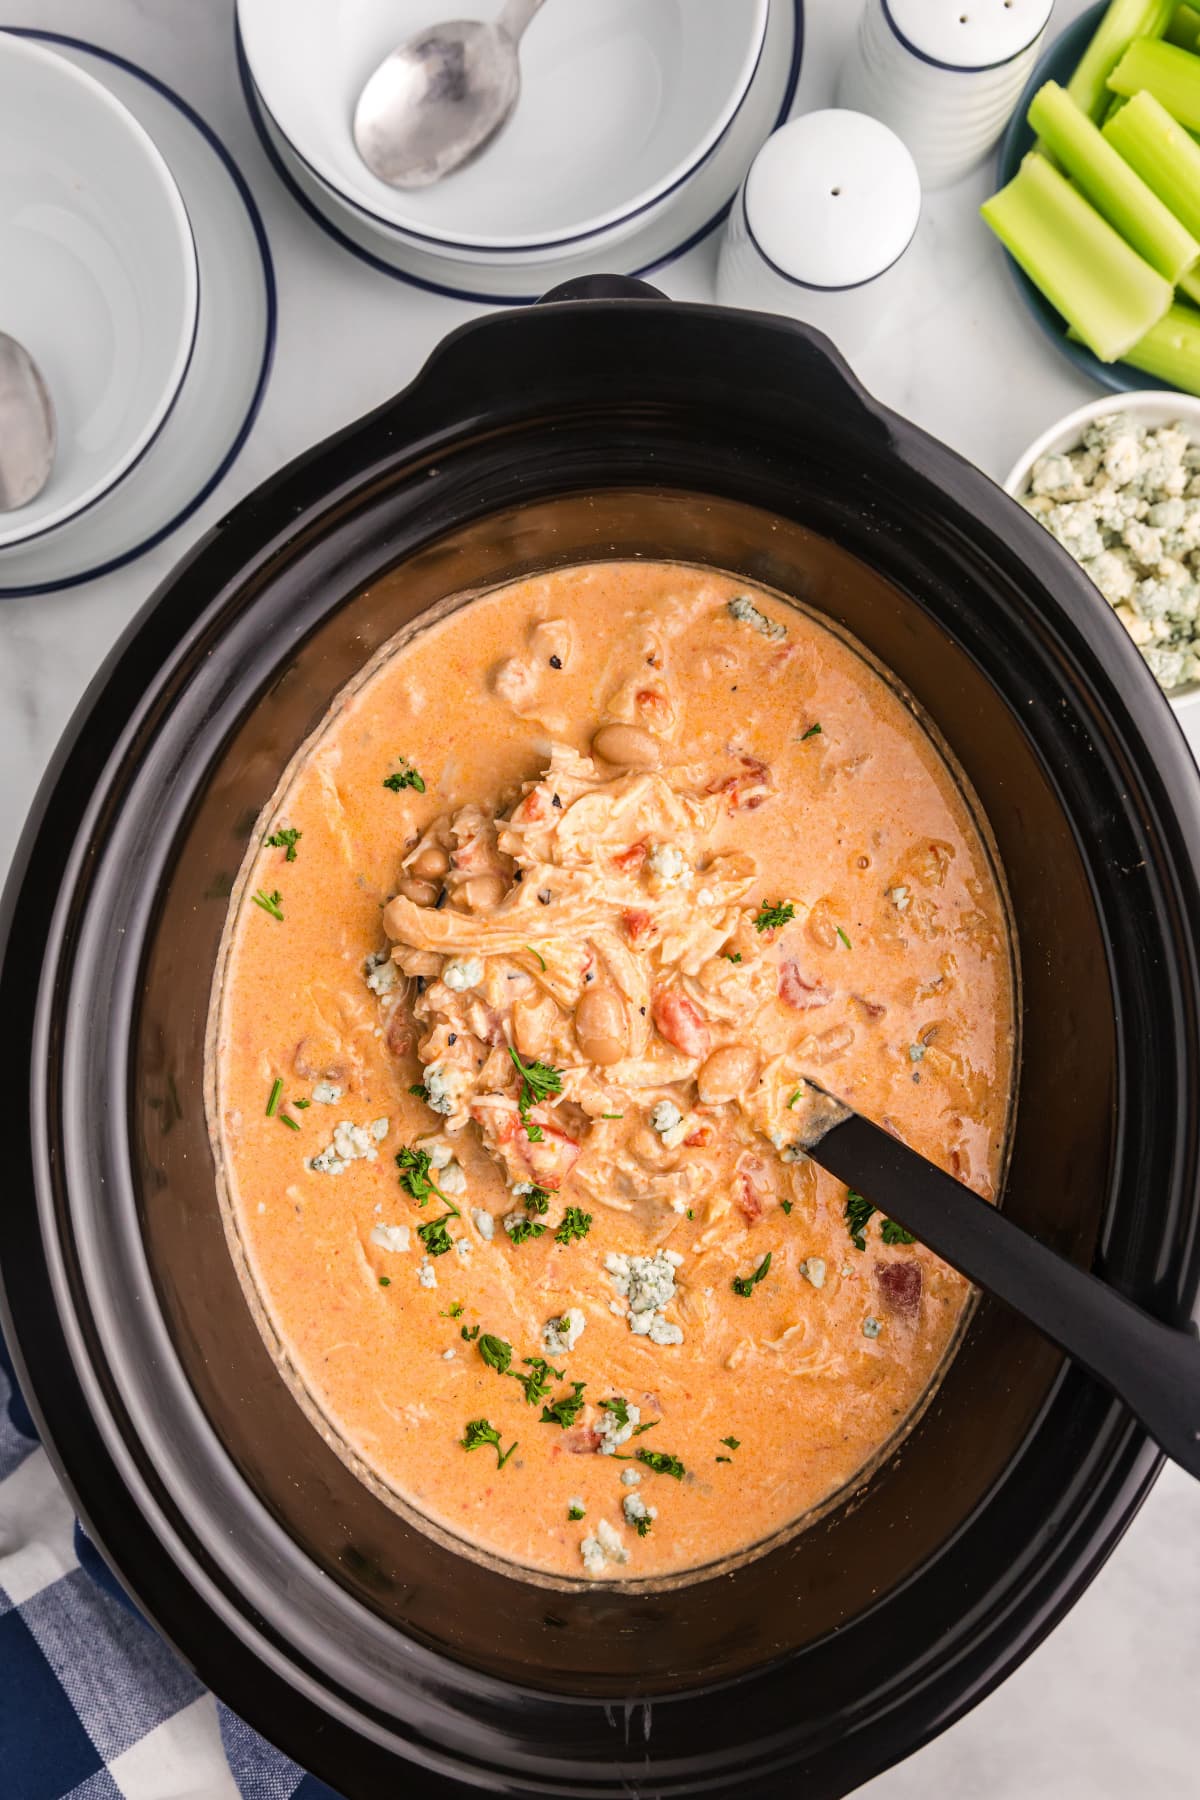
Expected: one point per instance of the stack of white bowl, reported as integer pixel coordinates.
(98, 278)
(635, 123)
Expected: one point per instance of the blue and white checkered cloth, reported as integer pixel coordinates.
(93, 1704)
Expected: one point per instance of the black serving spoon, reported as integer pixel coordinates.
(1154, 1368)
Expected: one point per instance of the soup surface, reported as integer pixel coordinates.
(546, 926)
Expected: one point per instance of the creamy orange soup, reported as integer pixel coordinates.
(541, 936)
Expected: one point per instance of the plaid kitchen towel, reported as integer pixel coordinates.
(93, 1704)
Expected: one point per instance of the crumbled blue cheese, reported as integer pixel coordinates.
(899, 897)
(575, 1507)
(449, 1355)
(351, 1143)
(814, 1271)
(326, 1093)
(452, 1179)
(669, 866)
(394, 1238)
(648, 1284)
(427, 1274)
(612, 1433)
(463, 972)
(380, 972)
(666, 1116)
(512, 1220)
(631, 1477)
(562, 1334)
(439, 1152)
(1126, 505)
(636, 1509)
(610, 1543)
(444, 1088)
(462, 1250)
(916, 1052)
(871, 1327)
(484, 1223)
(592, 1552)
(746, 613)
(379, 1129)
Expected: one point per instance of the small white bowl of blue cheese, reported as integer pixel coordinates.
(1117, 482)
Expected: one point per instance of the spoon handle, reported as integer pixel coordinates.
(516, 16)
(1154, 1368)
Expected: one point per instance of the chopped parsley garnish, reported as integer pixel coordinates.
(643, 1525)
(844, 938)
(732, 1443)
(564, 1412)
(612, 1115)
(575, 1512)
(727, 1459)
(794, 1098)
(619, 1408)
(575, 1223)
(435, 1237)
(661, 1463)
(271, 903)
(419, 1091)
(813, 731)
(290, 1123)
(538, 1081)
(733, 955)
(495, 1351)
(858, 1214)
(301, 1105)
(407, 776)
(541, 959)
(537, 1383)
(523, 1230)
(534, 1133)
(480, 1432)
(771, 918)
(891, 1233)
(284, 840)
(746, 1284)
(648, 1426)
(537, 1200)
(273, 1102)
(468, 1337)
(785, 1206)
(415, 1179)
(385, 1281)
(453, 1312)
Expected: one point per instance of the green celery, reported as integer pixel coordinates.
(1165, 156)
(1124, 21)
(1170, 350)
(1114, 189)
(1084, 268)
(1183, 27)
(1189, 285)
(1170, 74)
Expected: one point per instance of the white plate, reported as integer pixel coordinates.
(234, 344)
(620, 99)
(695, 209)
(1150, 406)
(97, 274)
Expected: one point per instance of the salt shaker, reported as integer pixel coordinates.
(821, 226)
(944, 74)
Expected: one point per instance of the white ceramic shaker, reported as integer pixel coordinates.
(820, 228)
(944, 74)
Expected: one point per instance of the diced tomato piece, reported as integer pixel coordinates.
(654, 706)
(552, 1157)
(699, 1138)
(795, 991)
(681, 1023)
(745, 792)
(630, 861)
(750, 1189)
(531, 809)
(581, 1440)
(639, 925)
(900, 1286)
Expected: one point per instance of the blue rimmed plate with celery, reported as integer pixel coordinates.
(1099, 205)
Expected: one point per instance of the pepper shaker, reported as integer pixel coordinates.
(944, 74)
(821, 226)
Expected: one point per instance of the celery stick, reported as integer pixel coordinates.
(1116, 191)
(1165, 156)
(1183, 27)
(1079, 262)
(1170, 74)
(1170, 350)
(1189, 285)
(1124, 21)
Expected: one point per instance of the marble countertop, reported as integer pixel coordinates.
(1102, 1711)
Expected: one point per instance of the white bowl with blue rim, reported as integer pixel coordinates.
(1148, 408)
(621, 100)
(98, 275)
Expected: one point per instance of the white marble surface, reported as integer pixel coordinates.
(1105, 1710)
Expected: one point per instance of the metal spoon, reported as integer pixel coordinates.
(1154, 1368)
(437, 100)
(27, 430)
